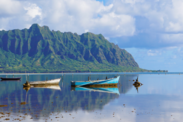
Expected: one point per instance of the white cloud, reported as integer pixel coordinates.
(81, 15)
(118, 25)
(33, 10)
(77, 16)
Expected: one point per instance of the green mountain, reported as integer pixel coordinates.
(38, 49)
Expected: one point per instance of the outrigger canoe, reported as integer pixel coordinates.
(109, 82)
(10, 78)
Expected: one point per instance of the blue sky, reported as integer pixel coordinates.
(151, 30)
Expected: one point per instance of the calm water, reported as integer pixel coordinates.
(160, 98)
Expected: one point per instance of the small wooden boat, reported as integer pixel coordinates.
(10, 78)
(98, 89)
(48, 82)
(108, 82)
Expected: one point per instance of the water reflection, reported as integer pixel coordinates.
(41, 102)
(159, 99)
(97, 89)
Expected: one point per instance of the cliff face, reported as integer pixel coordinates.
(40, 47)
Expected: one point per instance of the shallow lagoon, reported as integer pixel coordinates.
(160, 98)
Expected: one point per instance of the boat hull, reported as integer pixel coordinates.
(10, 78)
(111, 81)
(48, 82)
(52, 82)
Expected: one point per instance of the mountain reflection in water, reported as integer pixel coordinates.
(43, 101)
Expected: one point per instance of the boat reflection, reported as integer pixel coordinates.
(114, 90)
(54, 87)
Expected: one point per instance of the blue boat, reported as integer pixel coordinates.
(98, 89)
(110, 82)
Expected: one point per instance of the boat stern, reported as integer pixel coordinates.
(73, 83)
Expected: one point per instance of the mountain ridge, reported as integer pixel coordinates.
(38, 49)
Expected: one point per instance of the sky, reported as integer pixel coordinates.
(151, 30)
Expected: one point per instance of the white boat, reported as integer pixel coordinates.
(54, 81)
(47, 82)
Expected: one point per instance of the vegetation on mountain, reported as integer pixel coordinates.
(38, 49)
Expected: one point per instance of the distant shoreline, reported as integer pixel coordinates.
(82, 72)
(94, 73)
(145, 71)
